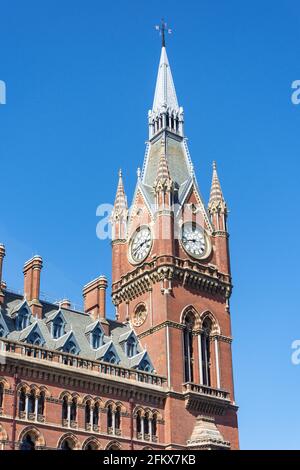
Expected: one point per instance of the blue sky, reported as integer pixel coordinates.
(80, 79)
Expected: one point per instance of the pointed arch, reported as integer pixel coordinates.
(91, 444)
(5, 383)
(65, 393)
(87, 398)
(207, 314)
(138, 409)
(110, 403)
(3, 434)
(34, 434)
(190, 310)
(68, 441)
(23, 385)
(113, 445)
(45, 390)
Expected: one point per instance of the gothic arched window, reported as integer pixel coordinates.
(109, 416)
(88, 412)
(96, 338)
(41, 404)
(118, 418)
(71, 347)
(35, 339)
(205, 350)
(1, 394)
(73, 414)
(131, 347)
(146, 423)
(138, 422)
(57, 327)
(111, 357)
(28, 442)
(145, 366)
(188, 347)
(31, 402)
(67, 444)
(154, 425)
(65, 408)
(22, 320)
(22, 400)
(96, 415)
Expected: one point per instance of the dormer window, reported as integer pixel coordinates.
(96, 338)
(22, 320)
(71, 348)
(35, 339)
(57, 328)
(131, 347)
(145, 366)
(110, 357)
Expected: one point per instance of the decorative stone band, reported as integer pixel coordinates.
(118, 241)
(225, 339)
(180, 326)
(158, 327)
(220, 233)
(190, 273)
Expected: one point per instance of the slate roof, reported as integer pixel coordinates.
(77, 323)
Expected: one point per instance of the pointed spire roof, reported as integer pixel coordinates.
(216, 194)
(120, 200)
(165, 93)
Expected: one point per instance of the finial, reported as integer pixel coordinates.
(120, 173)
(163, 28)
(214, 165)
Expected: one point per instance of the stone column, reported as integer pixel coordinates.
(217, 362)
(26, 406)
(91, 417)
(36, 407)
(69, 414)
(113, 421)
(150, 428)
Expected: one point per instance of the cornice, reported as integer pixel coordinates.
(70, 377)
(191, 274)
(154, 329)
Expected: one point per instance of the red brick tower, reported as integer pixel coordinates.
(172, 282)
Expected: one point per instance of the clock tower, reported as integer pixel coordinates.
(171, 279)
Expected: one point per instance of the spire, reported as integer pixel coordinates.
(216, 199)
(120, 212)
(165, 93)
(120, 200)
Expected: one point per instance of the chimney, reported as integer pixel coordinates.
(65, 303)
(94, 295)
(2, 254)
(32, 276)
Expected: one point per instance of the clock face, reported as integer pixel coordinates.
(141, 243)
(194, 240)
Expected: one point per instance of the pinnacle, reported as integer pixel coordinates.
(120, 200)
(216, 191)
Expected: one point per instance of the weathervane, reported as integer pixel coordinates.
(163, 28)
